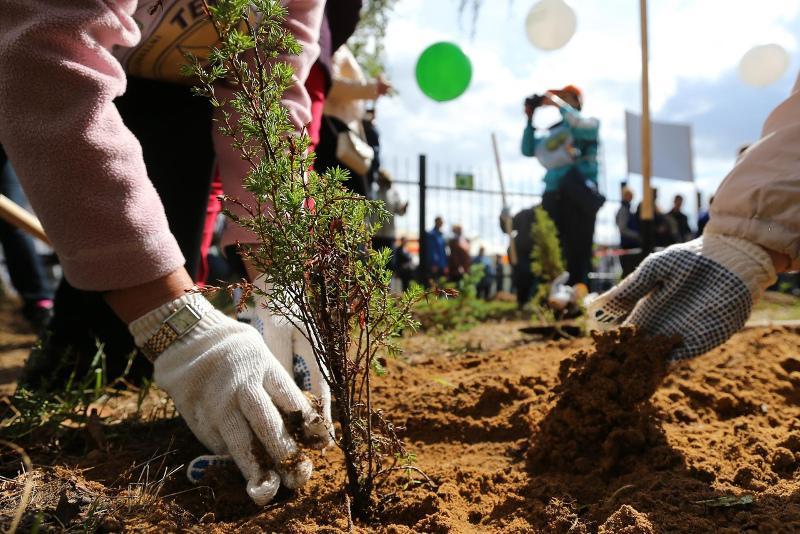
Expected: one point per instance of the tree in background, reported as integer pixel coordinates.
(546, 259)
(367, 43)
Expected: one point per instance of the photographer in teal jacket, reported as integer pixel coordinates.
(568, 150)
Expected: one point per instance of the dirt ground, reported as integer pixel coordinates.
(516, 434)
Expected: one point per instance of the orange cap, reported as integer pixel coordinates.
(569, 89)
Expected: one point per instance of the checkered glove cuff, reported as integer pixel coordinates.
(703, 291)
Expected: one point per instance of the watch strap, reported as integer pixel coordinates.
(159, 342)
(152, 333)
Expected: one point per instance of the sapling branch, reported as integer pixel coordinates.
(312, 237)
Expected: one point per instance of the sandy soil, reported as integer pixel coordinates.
(516, 435)
(16, 339)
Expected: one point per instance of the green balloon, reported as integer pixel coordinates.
(443, 71)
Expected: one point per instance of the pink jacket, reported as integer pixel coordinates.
(62, 63)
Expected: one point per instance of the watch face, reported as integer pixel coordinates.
(183, 320)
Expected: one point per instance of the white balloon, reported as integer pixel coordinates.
(763, 65)
(550, 24)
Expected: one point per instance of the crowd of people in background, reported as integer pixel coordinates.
(344, 133)
(669, 228)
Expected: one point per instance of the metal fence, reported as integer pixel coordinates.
(476, 209)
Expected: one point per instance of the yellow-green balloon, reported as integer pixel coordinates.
(443, 71)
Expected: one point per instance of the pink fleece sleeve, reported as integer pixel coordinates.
(304, 19)
(81, 168)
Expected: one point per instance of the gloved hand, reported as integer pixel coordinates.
(702, 290)
(292, 349)
(232, 391)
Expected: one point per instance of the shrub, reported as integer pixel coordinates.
(312, 253)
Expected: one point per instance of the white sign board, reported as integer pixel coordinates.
(671, 148)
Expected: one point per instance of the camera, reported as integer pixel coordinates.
(534, 101)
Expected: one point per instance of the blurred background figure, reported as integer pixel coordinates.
(499, 272)
(702, 219)
(628, 226)
(568, 150)
(403, 264)
(385, 236)
(25, 266)
(662, 233)
(484, 286)
(459, 261)
(435, 260)
(678, 221)
(373, 138)
(342, 140)
(609, 266)
(522, 278)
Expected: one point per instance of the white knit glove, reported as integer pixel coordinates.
(232, 393)
(292, 349)
(702, 290)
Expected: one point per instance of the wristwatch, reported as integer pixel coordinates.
(177, 325)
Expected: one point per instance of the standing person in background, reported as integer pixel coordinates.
(344, 112)
(662, 229)
(484, 286)
(679, 222)
(499, 272)
(459, 261)
(435, 260)
(373, 138)
(403, 264)
(385, 236)
(569, 153)
(522, 277)
(25, 266)
(702, 220)
(629, 238)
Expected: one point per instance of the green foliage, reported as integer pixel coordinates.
(43, 412)
(444, 314)
(312, 250)
(458, 307)
(546, 260)
(367, 43)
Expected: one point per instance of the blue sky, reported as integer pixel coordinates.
(695, 50)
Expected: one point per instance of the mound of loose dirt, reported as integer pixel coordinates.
(602, 412)
(627, 520)
(550, 437)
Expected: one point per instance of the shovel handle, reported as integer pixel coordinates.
(16, 215)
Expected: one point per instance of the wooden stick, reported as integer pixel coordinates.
(507, 224)
(14, 214)
(647, 200)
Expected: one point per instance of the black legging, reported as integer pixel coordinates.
(25, 267)
(575, 232)
(174, 129)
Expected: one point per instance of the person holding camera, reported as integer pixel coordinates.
(568, 150)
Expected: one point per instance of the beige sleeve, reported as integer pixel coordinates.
(349, 82)
(343, 89)
(759, 200)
